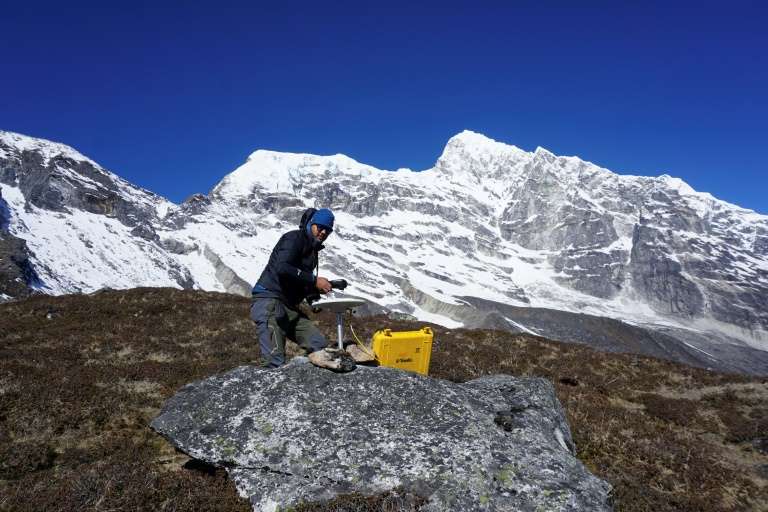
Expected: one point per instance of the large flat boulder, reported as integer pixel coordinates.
(302, 433)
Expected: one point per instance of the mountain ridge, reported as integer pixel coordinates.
(53, 148)
(489, 220)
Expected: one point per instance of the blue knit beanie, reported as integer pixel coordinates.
(324, 217)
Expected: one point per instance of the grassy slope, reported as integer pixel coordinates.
(82, 376)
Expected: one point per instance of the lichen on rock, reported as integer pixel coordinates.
(302, 434)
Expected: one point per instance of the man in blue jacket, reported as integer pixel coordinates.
(289, 277)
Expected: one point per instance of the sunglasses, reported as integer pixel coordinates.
(321, 227)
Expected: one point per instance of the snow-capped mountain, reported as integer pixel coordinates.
(85, 227)
(489, 236)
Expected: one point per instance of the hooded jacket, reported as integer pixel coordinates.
(290, 271)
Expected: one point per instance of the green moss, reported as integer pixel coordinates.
(227, 446)
(506, 475)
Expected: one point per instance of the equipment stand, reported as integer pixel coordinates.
(340, 329)
(339, 306)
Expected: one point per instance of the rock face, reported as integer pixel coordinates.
(301, 433)
(226, 276)
(56, 178)
(17, 275)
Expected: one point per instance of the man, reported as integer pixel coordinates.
(289, 277)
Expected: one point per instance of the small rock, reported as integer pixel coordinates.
(333, 359)
(360, 355)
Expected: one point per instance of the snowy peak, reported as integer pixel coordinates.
(13, 144)
(33, 158)
(61, 161)
(677, 184)
(58, 178)
(467, 150)
(468, 138)
(479, 161)
(275, 172)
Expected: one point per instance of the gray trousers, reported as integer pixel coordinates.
(274, 322)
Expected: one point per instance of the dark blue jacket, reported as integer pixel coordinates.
(290, 272)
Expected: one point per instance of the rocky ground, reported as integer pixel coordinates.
(82, 376)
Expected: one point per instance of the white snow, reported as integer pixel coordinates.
(702, 351)
(433, 318)
(677, 184)
(521, 326)
(79, 251)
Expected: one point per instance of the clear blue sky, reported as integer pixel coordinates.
(174, 97)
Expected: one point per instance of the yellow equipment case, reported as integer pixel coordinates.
(407, 350)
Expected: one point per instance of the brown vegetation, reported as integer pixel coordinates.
(82, 376)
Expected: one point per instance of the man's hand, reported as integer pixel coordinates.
(323, 285)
